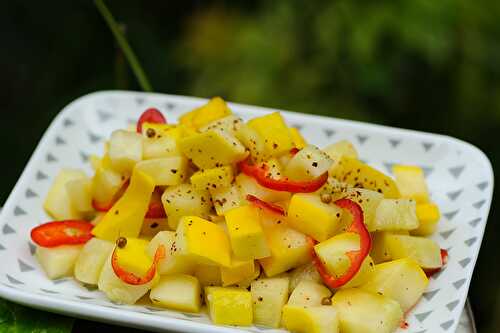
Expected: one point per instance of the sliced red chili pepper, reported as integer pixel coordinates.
(294, 151)
(68, 232)
(356, 257)
(131, 278)
(444, 261)
(266, 205)
(151, 115)
(260, 174)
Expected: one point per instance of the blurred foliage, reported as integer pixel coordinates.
(420, 64)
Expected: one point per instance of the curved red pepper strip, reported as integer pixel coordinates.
(260, 174)
(266, 205)
(68, 232)
(155, 211)
(444, 261)
(151, 115)
(131, 278)
(294, 151)
(356, 257)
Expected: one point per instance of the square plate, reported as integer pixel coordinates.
(459, 175)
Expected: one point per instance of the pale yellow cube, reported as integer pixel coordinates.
(238, 271)
(225, 198)
(269, 295)
(212, 179)
(411, 182)
(166, 171)
(58, 262)
(91, 259)
(229, 306)
(179, 292)
(317, 319)
(173, 263)
(58, 203)
(309, 293)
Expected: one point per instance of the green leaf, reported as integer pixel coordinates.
(15, 318)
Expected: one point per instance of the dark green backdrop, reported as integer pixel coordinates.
(421, 64)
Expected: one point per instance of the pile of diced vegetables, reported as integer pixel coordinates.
(246, 218)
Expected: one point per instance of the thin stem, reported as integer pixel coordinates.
(125, 46)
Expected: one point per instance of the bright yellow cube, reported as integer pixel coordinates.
(209, 179)
(308, 214)
(411, 182)
(273, 130)
(341, 148)
(156, 131)
(229, 306)
(133, 257)
(179, 292)
(428, 215)
(298, 140)
(247, 237)
(238, 271)
(315, 319)
(212, 149)
(215, 109)
(203, 241)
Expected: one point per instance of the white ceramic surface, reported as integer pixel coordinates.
(459, 176)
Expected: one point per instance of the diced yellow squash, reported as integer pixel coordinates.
(95, 161)
(359, 174)
(173, 263)
(150, 227)
(428, 216)
(309, 293)
(363, 312)
(335, 188)
(245, 284)
(411, 182)
(270, 219)
(215, 109)
(307, 272)
(368, 200)
(289, 249)
(166, 171)
(91, 259)
(229, 306)
(212, 149)
(133, 257)
(253, 142)
(183, 200)
(317, 319)
(402, 280)
(58, 262)
(156, 131)
(269, 295)
(424, 251)
(309, 215)
(229, 124)
(248, 185)
(179, 292)
(58, 203)
(380, 248)
(161, 147)
(80, 194)
(225, 198)
(309, 163)
(209, 276)
(273, 130)
(106, 183)
(127, 214)
(333, 255)
(247, 237)
(203, 241)
(238, 271)
(125, 150)
(213, 178)
(341, 148)
(298, 140)
(395, 214)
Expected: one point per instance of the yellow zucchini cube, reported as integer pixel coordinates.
(380, 248)
(269, 295)
(411, 182)
(229, 124)
(309, 293)
(58, 203)
(341, 148)
(156, 131)
(133, 257)
(368, 200)
(424, 251)
(80, 194)
(173, 263)
(333, 255)
(361, 311)
(209, 276)
(309, 215)
(229, 306)
(203, 241)
(428, 216)
(307, 272)
(273, 130)
(126, 216)
(298, 140)
(166, 171)
(91, 259)
(247, 237)
(125, 150)
(238, 271)
(309, 163)
(395, 214)
(211, 179)
(212, 149)
(248, 185)
(58, 262)
(214, 109)
(253, 142)
(106, 183)
(316, 319)
(359, 174)
(179, 292)
(160, 147)
(225, 198)
(402, 280)
(289, 249)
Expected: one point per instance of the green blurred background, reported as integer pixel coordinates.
(421, 64)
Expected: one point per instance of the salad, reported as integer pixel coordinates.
(244, 220)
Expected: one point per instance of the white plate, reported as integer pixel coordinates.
(459, 176)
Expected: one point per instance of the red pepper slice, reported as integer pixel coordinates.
(294, 151)
(444, 261)
(266, 205)
(151, 115)
(68, 232)
(131, 278)
(260, 174)
(356, 257)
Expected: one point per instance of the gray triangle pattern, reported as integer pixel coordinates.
(430, 294)
(59, 281)
(84, 156)
(447, 324)
(60, 141)
(7, 229)
(19, 211)
(13, 280)
(85, 298)
(94, 138)
(475, 222)
(454, 195)
(451, 215)
(388, 166)
(103, 115)
(464, 262)
(459, 283)
(2, 247)
(68, 122)
(427, 145)
(51, 158)
(47, 291)
(394, 142)
(32, 248)
(152, 309)
(479, 204)
(446, 234)
(436, 275)
(482, 186)
(470, 241)
(139, 100)
(456, 171)
(452, 305)
(427, 170)
(329, 132)
(30, 193)
(361, 138)
(24, 267)
(421, 316)
(169, 106)
(40, 176)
